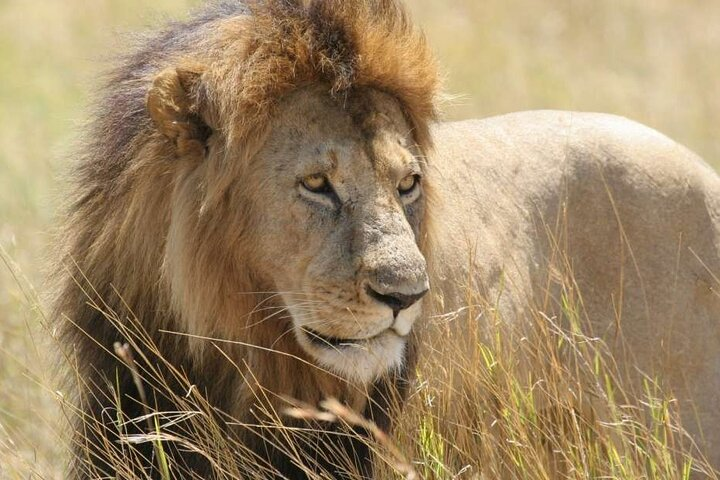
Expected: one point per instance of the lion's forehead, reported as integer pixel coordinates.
(365, 112)
(361, 134)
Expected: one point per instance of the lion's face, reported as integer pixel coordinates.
(337, 220)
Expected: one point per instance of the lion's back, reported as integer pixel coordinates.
(635, 214)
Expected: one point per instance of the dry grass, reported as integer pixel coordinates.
(538, 399)
(652, 60)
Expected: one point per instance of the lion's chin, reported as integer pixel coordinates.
(361, 361)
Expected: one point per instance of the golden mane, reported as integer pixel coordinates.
(346, 44)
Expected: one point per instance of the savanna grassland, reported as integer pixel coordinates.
(656, 61)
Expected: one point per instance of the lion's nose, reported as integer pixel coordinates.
(396, 301)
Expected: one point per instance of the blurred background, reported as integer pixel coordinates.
(656, 61)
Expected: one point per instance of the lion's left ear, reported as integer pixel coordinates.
(173, 104)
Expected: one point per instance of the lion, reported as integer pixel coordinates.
(266, 198)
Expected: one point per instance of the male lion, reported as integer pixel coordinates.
(252, 215)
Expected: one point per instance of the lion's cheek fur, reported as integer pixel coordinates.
(202, 268)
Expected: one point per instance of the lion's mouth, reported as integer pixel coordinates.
(325, 341)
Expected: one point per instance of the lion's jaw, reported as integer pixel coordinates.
(376, 349)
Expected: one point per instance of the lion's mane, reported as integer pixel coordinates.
(147, 247)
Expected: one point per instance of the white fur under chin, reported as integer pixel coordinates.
(362, 363)
(365, 363)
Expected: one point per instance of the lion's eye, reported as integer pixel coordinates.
(408, 184)
(316, 184)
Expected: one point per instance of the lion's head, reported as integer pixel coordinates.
(337, 224)
(300, 141)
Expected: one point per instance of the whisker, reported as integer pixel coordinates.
(301, 308)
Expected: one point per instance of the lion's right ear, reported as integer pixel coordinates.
(173, 104)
